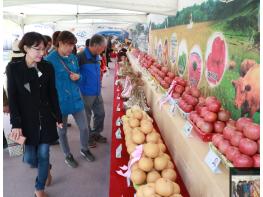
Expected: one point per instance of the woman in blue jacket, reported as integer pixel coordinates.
(67, 76)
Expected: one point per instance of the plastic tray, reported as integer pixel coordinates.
(206, 137)
(224, 160)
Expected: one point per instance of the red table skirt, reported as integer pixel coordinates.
(118, 184)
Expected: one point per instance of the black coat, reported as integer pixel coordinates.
(33, 101)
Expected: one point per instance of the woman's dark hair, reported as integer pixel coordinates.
(66, 37)
(31, 39)
(48, 38)
(55, 37)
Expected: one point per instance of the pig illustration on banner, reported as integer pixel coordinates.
(248, 91)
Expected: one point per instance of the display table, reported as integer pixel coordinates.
(188, 152)
(118, 184)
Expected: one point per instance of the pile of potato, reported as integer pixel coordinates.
(154, 172)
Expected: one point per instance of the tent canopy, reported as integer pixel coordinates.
(41, 11)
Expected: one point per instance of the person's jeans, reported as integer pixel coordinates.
(38, 156)
(81, 120)
(95, 104)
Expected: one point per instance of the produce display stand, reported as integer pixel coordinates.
(118, 184)
(188, 152)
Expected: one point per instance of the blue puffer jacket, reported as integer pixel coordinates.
(68, 91)
(90, 71)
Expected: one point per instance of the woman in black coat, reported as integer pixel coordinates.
(34, 108)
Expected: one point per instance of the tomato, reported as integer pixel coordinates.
(223, 115)
(223, 145)
(210, 116)
(217, 138)
(235, 139)
(243, 161)
(165, 69)
(252, 131)
(247, 146)
(231, 123)
(195, 92)
(210, 99)
(179, 89)
(232, 152)
(176, 95)
(214, 106)
(241, 122)
(219, 126)
(256, 159)
(228, 133)
(203, 111)
(191, 100)
(171, 75)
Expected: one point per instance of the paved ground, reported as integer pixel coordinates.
(88, 180)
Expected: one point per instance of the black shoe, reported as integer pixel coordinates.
(100, 139)
(69, 125)
(54, 143)
(70, 161)
(92, 143)
(86, 154)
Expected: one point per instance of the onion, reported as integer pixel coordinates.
(243, 161)
(241, 122)
(203, 111)
(201, 100)
(176, 95)
(256, 159)
(223, 115)
(231, 152)
(217, 138)
(252, 131)
(247, 146)
(219, 126)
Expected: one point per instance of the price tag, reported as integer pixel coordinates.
(118, 133)
(213, 161)
(118, 122)
(187, 128)
(118, 151)
(118, 107)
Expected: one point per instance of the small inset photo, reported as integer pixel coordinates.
(244, 182)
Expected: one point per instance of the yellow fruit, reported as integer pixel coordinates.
(166, 156)
(146, 126)
(169, 174)
(151, 150)
(134, 166)
(138, 137)
(138, 176)
(148, 190)
(137, 114)
(162, 147)
(129, 113)
(164, 187)
(176, 188)
(152, 137)
(152, 176)
(131, 148)
(170, 165)
(145, 164)
(134, 122)
(160, 163)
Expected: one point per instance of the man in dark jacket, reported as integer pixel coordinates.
(90, 86)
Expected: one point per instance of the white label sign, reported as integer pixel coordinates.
(213, 161)
(187, 128)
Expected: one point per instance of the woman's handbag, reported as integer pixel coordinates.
(15, 147)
